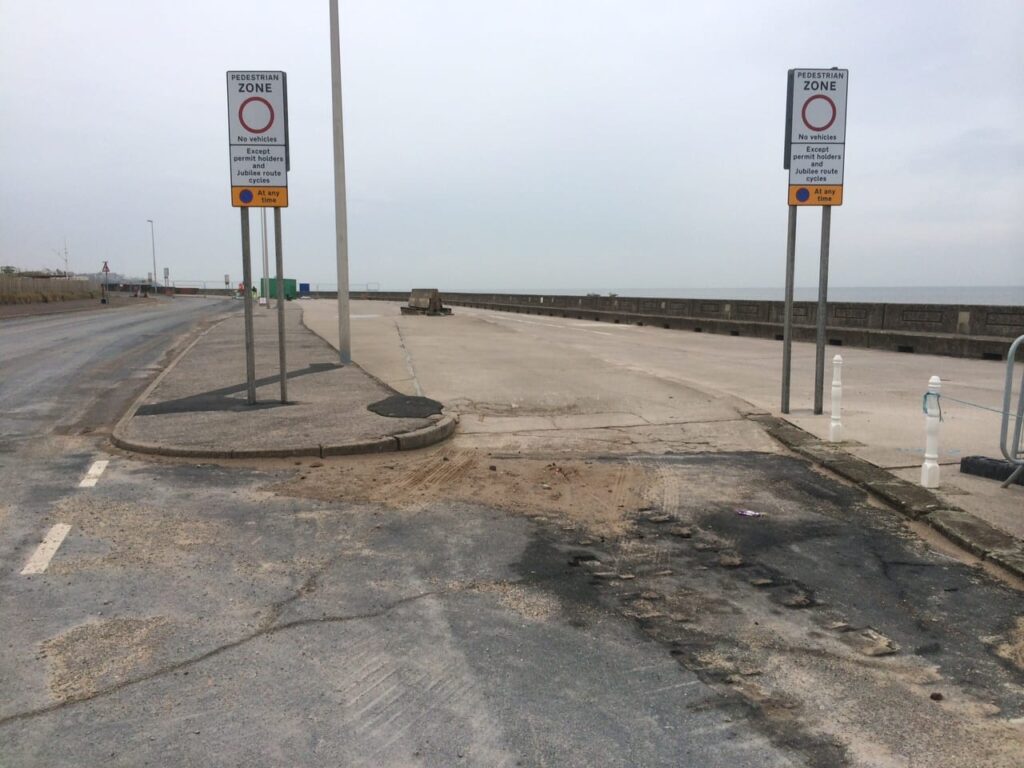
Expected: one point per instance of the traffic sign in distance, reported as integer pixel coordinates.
(106, 269)
(258, 138)
(816, 135)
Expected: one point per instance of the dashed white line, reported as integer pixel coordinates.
(94, 473)
(46, 550)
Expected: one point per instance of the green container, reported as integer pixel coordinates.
(290, 289)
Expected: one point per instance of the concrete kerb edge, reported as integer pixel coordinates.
(155, 449)
(960, 527)
(403, 441)
(435, 433)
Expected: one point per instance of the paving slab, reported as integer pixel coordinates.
(197, 407)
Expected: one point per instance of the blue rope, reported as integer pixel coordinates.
(938, 402)
(983, 407)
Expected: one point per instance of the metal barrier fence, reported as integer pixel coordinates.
(1012, 447)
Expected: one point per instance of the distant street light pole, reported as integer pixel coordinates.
(340, 208)
(152, 237)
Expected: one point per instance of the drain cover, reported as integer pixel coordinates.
(406, 407)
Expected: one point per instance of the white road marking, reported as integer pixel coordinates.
(93, 474)
(46, 550)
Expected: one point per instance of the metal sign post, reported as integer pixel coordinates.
(787, 317)
(258, 139)
(265, 284)
(106, 283)
(819, 338)
(815, 157)
(279, 258)
(250, 345)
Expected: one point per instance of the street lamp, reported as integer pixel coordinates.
(152, 237)
(340, 202)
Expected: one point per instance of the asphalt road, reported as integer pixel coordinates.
(60, 369)
(274, 614)
(64, 380)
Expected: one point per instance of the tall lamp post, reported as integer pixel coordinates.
(340, 207)
(152, 237)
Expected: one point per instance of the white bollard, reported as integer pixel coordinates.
(835, 425)
(930, 468)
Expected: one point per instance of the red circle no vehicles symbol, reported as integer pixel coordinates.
(256, 114)
(819, 116)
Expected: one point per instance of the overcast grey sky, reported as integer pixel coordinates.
(557, 144)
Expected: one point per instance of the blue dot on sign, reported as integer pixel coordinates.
(246, 195)
(802, 194)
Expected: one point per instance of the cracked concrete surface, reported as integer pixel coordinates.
(75, 688)
(479, 629)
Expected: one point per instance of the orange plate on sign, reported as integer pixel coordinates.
(262, 197)
(815, 195)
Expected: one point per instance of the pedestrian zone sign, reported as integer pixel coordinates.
(258, 139)
(816, 135)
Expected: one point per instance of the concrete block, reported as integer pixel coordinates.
(855, 315)
(970, 532)
(786, 433)
(1007, 322)
(993, 469)
(922, 318)
(1010, 559)
(912, 500)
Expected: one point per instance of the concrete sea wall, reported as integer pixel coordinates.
(938, 329)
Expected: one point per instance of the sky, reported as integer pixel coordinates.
(533, 145)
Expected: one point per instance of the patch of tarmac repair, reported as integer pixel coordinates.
(134, 534)
(529, 603)
(658, 541)
(810, 683)
(1013, 649)
(98, 654)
